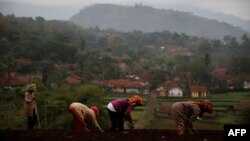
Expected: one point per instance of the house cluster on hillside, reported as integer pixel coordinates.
(232, 81)
(136, 83)
(172, 88)
(14, 79)
(173, 49)
(126, 86)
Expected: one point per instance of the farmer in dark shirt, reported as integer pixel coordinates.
(120, 110)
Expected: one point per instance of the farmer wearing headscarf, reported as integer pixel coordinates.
(84, 115)
(184, 113)
(120, 110)
(30, 105)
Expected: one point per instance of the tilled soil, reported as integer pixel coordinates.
(128, 135)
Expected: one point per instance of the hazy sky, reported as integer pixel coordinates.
(240, 8)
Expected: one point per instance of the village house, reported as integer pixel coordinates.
(179, 50)
(123, 66)
(198, 91)
(246, 84)
(74, 79)
(125, 85)
(170, 88)
(175, 92)
(232, 81)
(14, 79)
(24, 61)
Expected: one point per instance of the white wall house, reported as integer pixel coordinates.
(246, 85)
(175, 92)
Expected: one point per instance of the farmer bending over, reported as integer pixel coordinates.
(120, 109)
(84, 115)
(184, 113)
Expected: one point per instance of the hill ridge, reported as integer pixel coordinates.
(149, 19)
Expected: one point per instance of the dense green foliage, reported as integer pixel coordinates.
(52, 106)
(96, 51)
(246, 116)
(56, 43)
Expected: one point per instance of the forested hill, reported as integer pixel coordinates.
(148, 19)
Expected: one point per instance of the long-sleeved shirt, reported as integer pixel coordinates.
(29, 103)
(185, 111)
(122, 105)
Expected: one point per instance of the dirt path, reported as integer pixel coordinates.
(148, 112)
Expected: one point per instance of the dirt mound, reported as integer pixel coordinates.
(129, 135)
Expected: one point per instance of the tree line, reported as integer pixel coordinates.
(96, 51)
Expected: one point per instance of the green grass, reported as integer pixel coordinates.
(228, 118)
(136, 115)
(222, 103)
(219, 109)
(230, 96)
(168, 123)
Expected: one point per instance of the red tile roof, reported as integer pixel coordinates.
(15, 79)
(143, 74)
(221, 73)
(242, 105)
(24, 61)
(74, 79)
(198, 88)
(169, 84)
(232, 80)
(124, 83)
(178, 49)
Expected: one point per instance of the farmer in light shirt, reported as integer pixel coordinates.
(83, 116)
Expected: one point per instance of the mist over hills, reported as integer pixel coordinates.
(138, 17)
(222, 17)
(148, 19)
(47, 12)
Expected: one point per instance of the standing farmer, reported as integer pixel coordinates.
(84, 115)
(30, 106)
(120, 109)
(184, 113)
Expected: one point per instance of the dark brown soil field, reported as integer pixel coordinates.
(131, 135)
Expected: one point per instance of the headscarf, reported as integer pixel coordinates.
(31, 87)
(206, 105)
(136, 100)
(96, 110)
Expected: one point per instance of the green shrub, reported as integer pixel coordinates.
(246, 116)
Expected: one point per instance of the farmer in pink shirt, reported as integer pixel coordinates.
(120, 110)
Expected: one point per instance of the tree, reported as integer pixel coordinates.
(207, 60)
(239, 64)
(57, 77)
(245, 45)
(40, 19)
(158, 77)
(230, 41)
(46, 68)
(117, 44)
